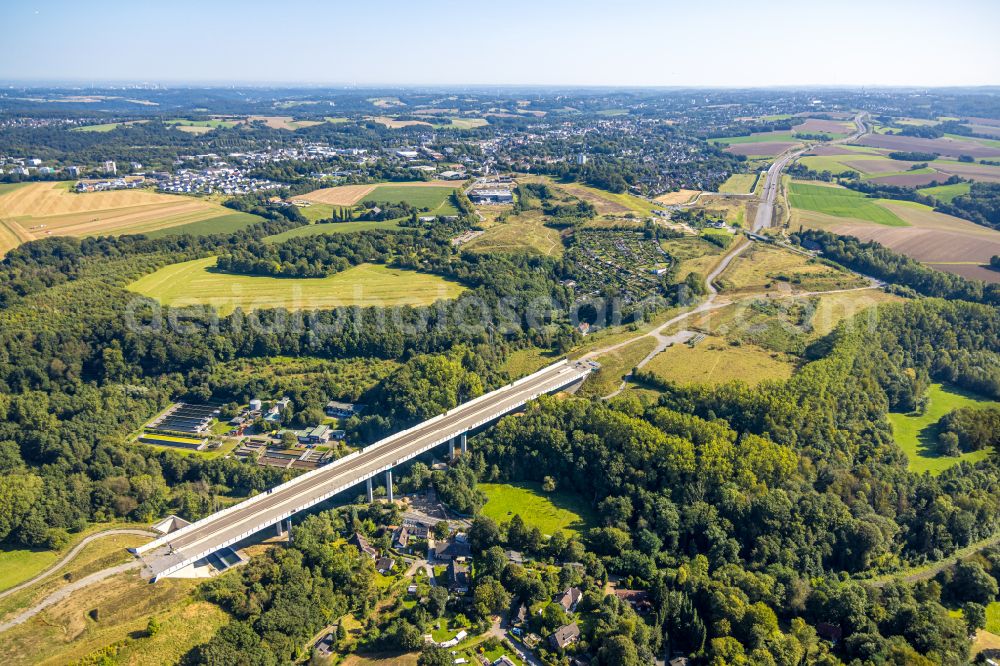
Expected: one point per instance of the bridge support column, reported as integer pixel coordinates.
(277, 528)
(451, 449)
(388, 484)
(289, 530)
(465, 443)
(368, 489)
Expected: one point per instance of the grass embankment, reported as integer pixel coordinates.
(197, 283)
(520, 233)
(738, 183)
(95, 556)
(715, 361)
(549, 512)
(614, 366)
(916, 433)
(764, 268)
(107, 625)
(19, 564)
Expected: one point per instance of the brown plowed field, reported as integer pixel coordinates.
(762, 148)
(933, 237)
(877, 165)
(913, 180)
(944, 146)
(970, 271)
(983, 172)
(816, 125)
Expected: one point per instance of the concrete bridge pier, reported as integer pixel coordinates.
(368, 489)
(388, 484)
(465, 443)
(277, 528)
(289, 530)
(451, 449)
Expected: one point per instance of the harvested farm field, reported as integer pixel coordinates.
(942, 241)
(980, 172)
(943, 146)
(763, 148)
(38, 210)
(678, 197)
(348, 195)
(912, 179)
(818, 126)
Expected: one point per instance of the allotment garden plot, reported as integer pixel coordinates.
(626, 263)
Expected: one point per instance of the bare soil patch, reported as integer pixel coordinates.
(763, 148)
(678, 197)
(970, 271)
(912, 179)
(816, 125)
(981, 172)
(943, 146)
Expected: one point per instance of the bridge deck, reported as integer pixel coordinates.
(189, 544)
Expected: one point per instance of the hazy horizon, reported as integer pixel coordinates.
(633, 44)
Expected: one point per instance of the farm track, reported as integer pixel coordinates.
(763, 219)
(74, 551)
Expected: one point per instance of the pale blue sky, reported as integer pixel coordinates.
(568, 42)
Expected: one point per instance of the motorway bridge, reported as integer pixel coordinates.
(175, 551)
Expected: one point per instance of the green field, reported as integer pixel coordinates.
(946, 192)
(916, 434)
(197, 283)
(549, 512)
(841, 202)
(436, 199)
(330, 228)
(993, 618)
(20, 564)
(739, 183)
(223, 224)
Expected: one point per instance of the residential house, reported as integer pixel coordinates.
(458, 576)
(361, 542)
(504, 660)
(515, 557)
(639, 600)
(448, 549)
(564, 636)
(569, 598)
(384, 565)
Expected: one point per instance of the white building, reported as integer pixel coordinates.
(110, 167)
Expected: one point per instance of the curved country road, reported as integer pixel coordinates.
(74, 551)
(67, 590)
(763, 218)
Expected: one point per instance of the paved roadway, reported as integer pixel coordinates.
(228, 526)
(772, 182)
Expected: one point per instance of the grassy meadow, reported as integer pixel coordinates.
(330, 228)
(715, 361)
(197, 283)
(549, 512)
(916, 433)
